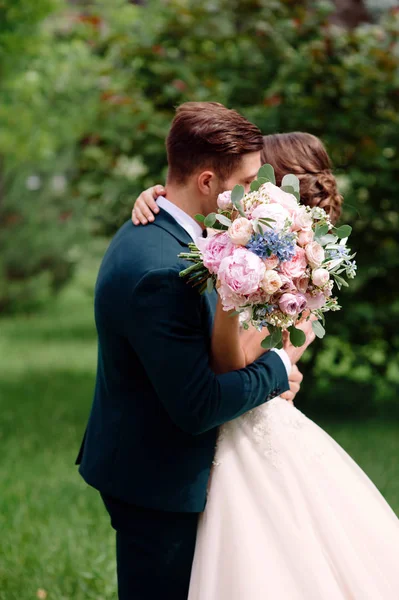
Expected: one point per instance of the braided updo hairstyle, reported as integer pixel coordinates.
(305, 156)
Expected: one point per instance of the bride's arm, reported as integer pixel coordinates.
(231, 348)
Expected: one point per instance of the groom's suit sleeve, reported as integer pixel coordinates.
(167, 333)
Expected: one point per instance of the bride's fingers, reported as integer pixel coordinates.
(139, 216)
(134, 218)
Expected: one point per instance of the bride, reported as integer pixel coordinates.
(289, 516)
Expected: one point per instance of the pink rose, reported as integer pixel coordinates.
(241, 231)
(243, 271)
(288, 304)
(271, 282)
(302, 302)
(302, 220)
(224, 201)
(305, 237)
(271, 262)
(315, 301)
(314, 254)
(214, 249)
(302, 283)
(278, 196)
(271, 211)
(292, 304)
(320, 277)
(296, 266)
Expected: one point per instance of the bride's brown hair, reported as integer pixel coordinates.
(305, 156)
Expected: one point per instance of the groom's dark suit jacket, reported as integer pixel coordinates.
(151, 434)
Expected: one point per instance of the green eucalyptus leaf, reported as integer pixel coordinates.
(273, 339)
(327, 239)
(237, 194)
(288, 189)
(291, 181)
(321, 230)
(267, 172)
(297, 337)
(223, 220)
(209, 285)
(210, 220)
(343, 232)
(318, 329)
(199, 218)
(255, 185)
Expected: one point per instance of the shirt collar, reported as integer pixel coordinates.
(193, 228)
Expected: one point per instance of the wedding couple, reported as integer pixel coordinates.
(187, 407)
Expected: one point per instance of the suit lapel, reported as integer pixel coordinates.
(165, 221)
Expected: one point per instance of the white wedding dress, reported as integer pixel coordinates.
(290, 516)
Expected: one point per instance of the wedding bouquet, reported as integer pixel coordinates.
(272, 260)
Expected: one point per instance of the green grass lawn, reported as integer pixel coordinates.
(54, 531)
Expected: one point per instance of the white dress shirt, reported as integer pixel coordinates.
(194, 230)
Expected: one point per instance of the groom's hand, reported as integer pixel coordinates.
(295, 380)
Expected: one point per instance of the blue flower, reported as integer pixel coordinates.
(341, 252)
(271, 243)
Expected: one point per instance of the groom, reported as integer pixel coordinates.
(151, 435)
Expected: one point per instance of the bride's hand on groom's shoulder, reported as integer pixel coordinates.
(145, 206)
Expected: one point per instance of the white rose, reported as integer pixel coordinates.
(302, 220)
(271, 282)
(320, 277)
(240, 231)
(275, 212)
(278, 196)
(314, 254)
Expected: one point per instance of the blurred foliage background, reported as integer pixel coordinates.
(87, 93)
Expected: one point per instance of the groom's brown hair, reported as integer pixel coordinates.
(207, 135)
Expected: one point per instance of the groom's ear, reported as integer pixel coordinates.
(207, 183)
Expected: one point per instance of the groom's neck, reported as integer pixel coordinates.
(185, 198)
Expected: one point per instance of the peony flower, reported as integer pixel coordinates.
(243, 271)
(241, 231)
(315, 301)
(320, 277)
(271, 211)
(224, 201)
(214, 249)
(278, 196)
(302, 220)
(271, 282)
(289, 304)
(305, 237)
(302, 283)
(230, 300)
(314, 254)
(295, 267)
(271, 262)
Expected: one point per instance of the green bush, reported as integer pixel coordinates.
(279, 62)
(48, 99)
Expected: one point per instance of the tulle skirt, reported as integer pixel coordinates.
(290, 516)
